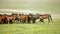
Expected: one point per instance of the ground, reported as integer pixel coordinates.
(37, 28)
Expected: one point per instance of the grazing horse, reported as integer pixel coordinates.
(45, 16)
(2, 17)
(10, 18)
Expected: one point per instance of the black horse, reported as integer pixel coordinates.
(33, 18)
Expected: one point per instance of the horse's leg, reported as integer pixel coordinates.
(50, 17)
(23, 21)
(19, 20)
(8, 21)
(0, 21)
(48, 20)
(34, 20)
(28, 21)
(41, 20)
(14, 20)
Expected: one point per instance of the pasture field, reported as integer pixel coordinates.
(37, 28)
(43, 6)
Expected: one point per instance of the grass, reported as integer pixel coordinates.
(45, 6)
(40, 28)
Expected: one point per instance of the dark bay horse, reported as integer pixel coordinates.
(45, 16)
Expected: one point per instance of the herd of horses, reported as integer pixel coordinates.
(23, 18)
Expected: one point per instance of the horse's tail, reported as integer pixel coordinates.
(50, 17)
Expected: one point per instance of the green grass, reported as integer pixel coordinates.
(40, 28)
(50, 6)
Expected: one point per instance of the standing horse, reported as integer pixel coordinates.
(45, 16)
(18, 17)
(33, 18)
(10, 18)
(24, 18)
(2, 18)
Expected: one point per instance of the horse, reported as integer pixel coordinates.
(23, 18)
(44, 16)
(2, 18)
(10, 18)
(33, 18)
(18, 17)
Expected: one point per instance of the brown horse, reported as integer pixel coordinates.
(10, 18)
(45, 16)
(27, 18)
(18, 17)
(23, 18)
(2, 18)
